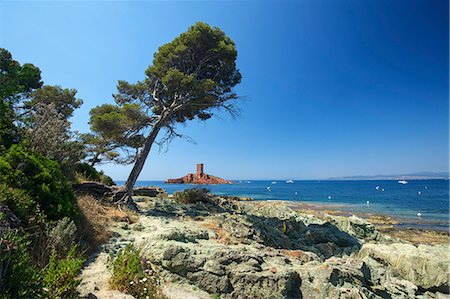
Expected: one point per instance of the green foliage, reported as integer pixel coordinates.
(40, 178)
(37, 151)
(86, 172)
(8, 132)
(16, 82)
(16, 79)
(18, 277)
(134, 275)
(107, 180)
(116, 130)
(192, 195)
(190, 77)
(197, 70)
(20, 203)
(49, 133)
(63, 99)
(61, 237)
(60, 276)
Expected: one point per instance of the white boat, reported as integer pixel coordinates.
(274, 183)
(403, 182)
(290, 181)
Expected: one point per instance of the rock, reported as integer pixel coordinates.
(198, 178)
(323, 239)
(150, 191)
(214, 284)
(356, 227)
(265, 285)
(186, 235)
(425, 266)
(265, 250)
(98, 190)
(181, 260)
(203, 179)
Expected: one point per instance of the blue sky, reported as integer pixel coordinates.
(331, 88)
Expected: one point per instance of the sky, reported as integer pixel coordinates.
(329, 88)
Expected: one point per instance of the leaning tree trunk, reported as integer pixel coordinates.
(126, 195)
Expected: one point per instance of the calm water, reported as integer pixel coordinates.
(428, 197)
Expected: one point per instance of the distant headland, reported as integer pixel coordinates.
(199, 177)
(410, 176)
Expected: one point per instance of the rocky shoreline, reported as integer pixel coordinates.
(253, 249)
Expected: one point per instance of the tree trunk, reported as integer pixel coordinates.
(138, 165)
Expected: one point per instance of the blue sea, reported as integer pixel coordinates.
(430, 198)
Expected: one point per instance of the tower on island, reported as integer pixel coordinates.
(199, 177)
(200, 169)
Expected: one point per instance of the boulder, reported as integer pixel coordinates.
(425, 266)
(356, 227)
(150, 191)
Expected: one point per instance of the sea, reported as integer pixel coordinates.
(422, 204)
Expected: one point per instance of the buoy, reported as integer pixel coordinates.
(426, 187)
(418, 192)
(329, 197)
(377, 187)
(296, 193)
(367, 202)
(419, 214)
(382, 189)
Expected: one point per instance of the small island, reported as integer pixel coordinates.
(199, 177)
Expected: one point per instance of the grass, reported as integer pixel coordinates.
(97, 219)
(135, 275)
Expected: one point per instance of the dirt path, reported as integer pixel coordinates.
(95, 275)
(95, 280)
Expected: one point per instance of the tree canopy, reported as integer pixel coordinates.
(64, 100)
(16, 82)
(16, 79)
(117, 133)
(191, 77)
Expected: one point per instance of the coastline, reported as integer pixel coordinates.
(430, 198)
(240, 248)
(392, 226)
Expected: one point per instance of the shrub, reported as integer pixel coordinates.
(18, 277)
(192, 195)
(18, 202)
(86, 172)
(61, 237)
(134, 275)
(40, 178)
(107, 180)
(59, 278)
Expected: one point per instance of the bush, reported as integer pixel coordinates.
(134, 275)
(18, 202)
(18, 277)
(86, 172)
(61, 237)
(59, 278)
(192, 195)
(41, 179)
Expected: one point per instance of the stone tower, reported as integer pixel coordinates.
(200, 169)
